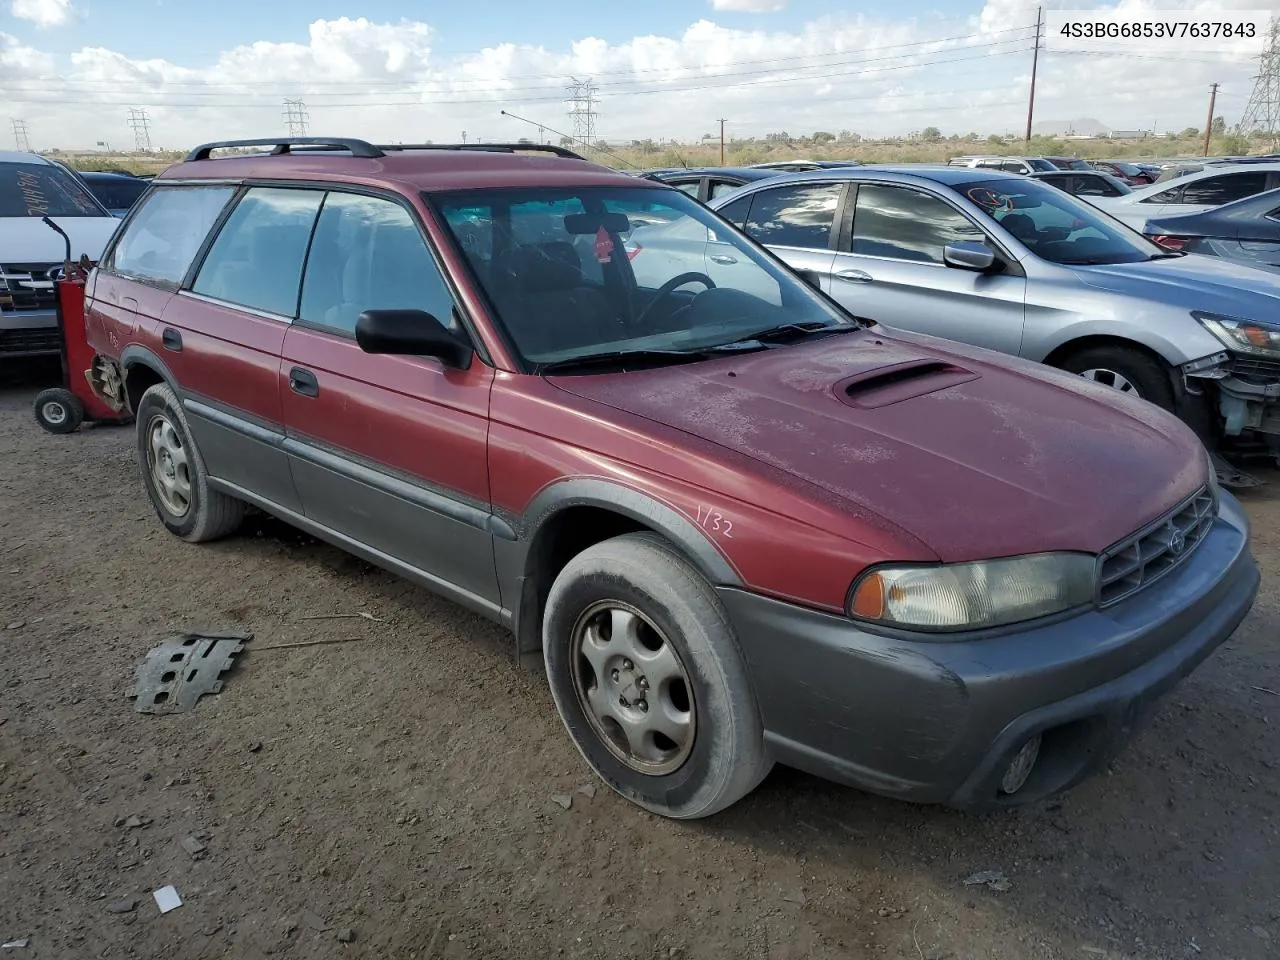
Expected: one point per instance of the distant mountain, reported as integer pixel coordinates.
(1084, 126)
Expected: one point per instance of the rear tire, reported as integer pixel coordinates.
(174, 474)
(659, 653)
(1125, 369)
(58, 410)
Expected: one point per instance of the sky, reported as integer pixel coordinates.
(73, 70)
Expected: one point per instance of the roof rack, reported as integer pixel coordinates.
(279, 145)
(486, 148)
(362, 148)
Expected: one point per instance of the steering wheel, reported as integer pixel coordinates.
(670, 287)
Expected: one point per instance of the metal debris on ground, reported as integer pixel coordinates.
(167, 898)
(14, 944)
(177, 673)
(992, 879)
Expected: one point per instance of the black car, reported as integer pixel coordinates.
(1134, 174)
(707, 183)
(118, 192)
(1069, 163)
(1085, 183)
(1246, 231)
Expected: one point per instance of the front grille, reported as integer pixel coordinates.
(30, 342)
(1254, 369)
(26, 286)
(1145, 557)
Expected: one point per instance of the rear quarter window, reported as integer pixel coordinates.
(166, 232)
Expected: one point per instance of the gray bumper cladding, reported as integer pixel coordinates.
(176, 674)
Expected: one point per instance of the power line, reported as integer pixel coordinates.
(296, 117)
(20, 139)
(1262, 114)
(140, 123)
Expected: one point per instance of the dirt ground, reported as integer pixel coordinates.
(392, 797)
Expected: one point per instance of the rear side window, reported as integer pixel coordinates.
(256, 261)
(369, 254)
(795, 216)
(736, 210)
(43, 190)
(1057, 181)
(1224, 189)
(166, 232)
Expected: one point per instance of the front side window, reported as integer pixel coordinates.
(166, 233)
(687, 186)
(907, 224)
(1056, 226)
(368, 254)
(735, 211)
(256, 261)
(570, 275)
(800, 216)
(43, 190)
(1216, 191)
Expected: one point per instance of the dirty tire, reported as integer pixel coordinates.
(1148, 375)
(727, 759)
(210, 514)
(58, 410)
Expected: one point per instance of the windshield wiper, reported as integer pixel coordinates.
(784, 333)
(623, 358)
(1172, 254)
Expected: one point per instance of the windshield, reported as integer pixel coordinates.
(1128, 169)
(43, 190)
(1055, 226)
(583, 272)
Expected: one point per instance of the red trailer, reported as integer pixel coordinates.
(63, 409)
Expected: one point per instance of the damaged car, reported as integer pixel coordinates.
(1012, 264)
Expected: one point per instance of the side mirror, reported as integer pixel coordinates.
(812, 277)
(969, 255)
(413, 333)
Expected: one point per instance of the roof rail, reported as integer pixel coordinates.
(279, 145)
(485, 148)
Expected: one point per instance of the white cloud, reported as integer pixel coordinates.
(44, 13)
(387, 82)
(749, 6)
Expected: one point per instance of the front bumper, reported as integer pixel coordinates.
(939, 721)
(29, 333)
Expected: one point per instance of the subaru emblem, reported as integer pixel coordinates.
(1177, 542)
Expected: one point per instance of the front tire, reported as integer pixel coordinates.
(645, 672)
(174, 474)
(1126, 370)
(58, 410)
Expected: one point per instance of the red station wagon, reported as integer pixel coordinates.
(737, 525)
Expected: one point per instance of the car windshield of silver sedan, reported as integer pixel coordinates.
(599, 276)
(1057, 227)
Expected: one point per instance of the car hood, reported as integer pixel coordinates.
(974, 454)
(1194, 282)
(29, 239)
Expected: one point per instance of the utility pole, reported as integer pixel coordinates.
(20, 138)
(722, 123)
(140, 123)
(1035, 63)
(296, 117)
(1208, 124)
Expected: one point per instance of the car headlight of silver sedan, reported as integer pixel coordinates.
(971, 596)
(1242, 336)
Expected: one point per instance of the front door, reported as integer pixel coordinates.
(797, 222)
(388, 452)
(891, 270)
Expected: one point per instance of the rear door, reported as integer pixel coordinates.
(226, 333)
(797, 221)
(388, 452)
(891, 270)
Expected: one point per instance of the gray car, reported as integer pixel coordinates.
(1012, 264)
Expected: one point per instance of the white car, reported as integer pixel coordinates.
(31, 253)
(1191, 193)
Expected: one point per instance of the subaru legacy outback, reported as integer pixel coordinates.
(735, 525)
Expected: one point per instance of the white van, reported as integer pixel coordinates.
(31, 254)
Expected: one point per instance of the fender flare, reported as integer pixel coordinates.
(136, 355)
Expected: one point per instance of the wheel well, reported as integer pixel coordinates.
(559, 540)
(1058, 356)
(138, 379)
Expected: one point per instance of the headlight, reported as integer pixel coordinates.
(969, 596)
(1243, 336)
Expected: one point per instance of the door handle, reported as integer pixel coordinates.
(171, 339)
(722, 259)
(304, 382)
(854, 276)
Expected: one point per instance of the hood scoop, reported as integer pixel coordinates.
(882, 386)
